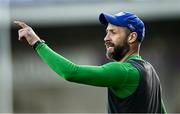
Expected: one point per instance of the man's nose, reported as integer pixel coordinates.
(107, 38)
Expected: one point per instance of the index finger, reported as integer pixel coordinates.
(21, 24)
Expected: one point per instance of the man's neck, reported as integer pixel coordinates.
(131, 53)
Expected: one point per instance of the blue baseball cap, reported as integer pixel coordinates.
(125, 19)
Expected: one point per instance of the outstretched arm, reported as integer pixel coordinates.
(114, 74)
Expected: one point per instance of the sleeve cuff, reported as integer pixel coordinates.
(38, 43)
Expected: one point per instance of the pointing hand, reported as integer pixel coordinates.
(27, 33)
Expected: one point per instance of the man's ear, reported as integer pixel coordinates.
(132, 37)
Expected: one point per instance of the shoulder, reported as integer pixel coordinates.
(119, 64)
(125, 67)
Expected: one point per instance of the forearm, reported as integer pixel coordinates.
(58, 63)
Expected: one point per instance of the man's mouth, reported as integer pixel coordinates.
(109, 45)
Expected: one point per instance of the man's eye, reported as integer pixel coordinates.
(113, 32)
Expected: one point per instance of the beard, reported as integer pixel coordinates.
(117, 52)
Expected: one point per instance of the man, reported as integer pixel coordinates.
(133, 85)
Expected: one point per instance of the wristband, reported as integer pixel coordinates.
(37, 43)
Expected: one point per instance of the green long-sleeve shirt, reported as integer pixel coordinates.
(121, 77)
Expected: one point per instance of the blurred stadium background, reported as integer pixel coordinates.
(71, 28)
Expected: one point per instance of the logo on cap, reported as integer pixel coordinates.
(120, 14)
(131, 27)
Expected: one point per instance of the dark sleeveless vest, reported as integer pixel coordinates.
(146, 98)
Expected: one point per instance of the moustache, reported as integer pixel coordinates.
(109, 44)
